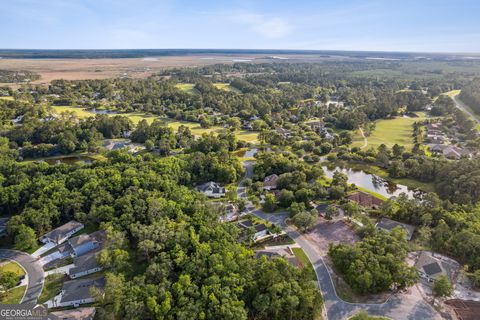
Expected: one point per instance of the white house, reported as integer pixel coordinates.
(78, 292)
(212, 190)
(85, 265)
(62, 233)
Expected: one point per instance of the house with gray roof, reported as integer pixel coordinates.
(212, 190)
(78, 292)
(85, 265)
(86, 242)
(62, 233)
(431, 265)
(388, 225)
(270, 182)
(73, 314)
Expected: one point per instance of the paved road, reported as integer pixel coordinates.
(462, 106)
(34, 272)
(397, 307)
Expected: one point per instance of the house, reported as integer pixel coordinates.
(366, 200)
(212, 190)
(270, 182)
(86, 242)
(77, 292)
(388, 225)
(73, 314)
(429, 266)
(85, 265)
(284, 133)
(62, 233)
(316, 126)
(231, 212)
(3, 226)
(273, 253)
(321, 208)
(260, 230)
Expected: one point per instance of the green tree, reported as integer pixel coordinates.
(8, 280)
(25, 238)
(304, 220)
(442, 287)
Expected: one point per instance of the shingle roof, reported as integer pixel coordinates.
(73, 314)
(85, 262)
(432, 268)
(60, 232)
(389, 224)
(80, 289)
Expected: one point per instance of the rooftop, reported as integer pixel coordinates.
(80, 289)
(61, 232)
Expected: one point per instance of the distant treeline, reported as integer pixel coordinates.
(470, 94)
(8, 76)
(140, 53)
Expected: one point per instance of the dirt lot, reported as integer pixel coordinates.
(335, 231)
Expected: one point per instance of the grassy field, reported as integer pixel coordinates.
(52, 286)
(13, 296)
(226, 87)
(7, 98)
(452, 93)
(390, 132)
(186, 87)
(10, 266)
(196, 129)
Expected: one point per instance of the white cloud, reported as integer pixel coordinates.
(270, 27)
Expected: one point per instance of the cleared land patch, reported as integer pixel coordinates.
(390, 132)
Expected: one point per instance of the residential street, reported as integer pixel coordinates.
(397, 307)
(33, 270)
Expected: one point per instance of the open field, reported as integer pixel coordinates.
(452, 93)
(81, 69)
(196, 129)
(186, 87)
(13, 296)
(7, 98)
(10, 266)
(390, 132)
(226, 87)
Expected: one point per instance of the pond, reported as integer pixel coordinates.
(69, 160)
(101, 111)
(371, 182)
(250, 153)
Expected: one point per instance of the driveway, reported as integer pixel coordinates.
(33, 270)
(401, 307)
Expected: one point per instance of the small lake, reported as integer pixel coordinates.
(69, 160)
(370, 182)
(250, 153)
(101, 111)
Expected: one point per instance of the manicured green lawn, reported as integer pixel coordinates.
(13, 296)
(390, 132)
(11, 266)
(52, 286)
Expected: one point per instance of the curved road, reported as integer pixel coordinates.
(396, 307)
(462, 106)
(33, 270)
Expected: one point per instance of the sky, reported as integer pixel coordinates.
(368, 25)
